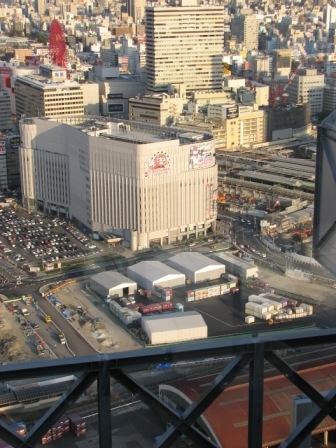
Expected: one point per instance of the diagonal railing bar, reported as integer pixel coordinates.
(304, 429)
(160, 406)
(55, 412)
(8, 436)
(299, 382)
(194, 411)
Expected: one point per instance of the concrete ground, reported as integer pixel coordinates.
(19, 349)
(318, 292)
(116, 338)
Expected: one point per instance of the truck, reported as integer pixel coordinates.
(156, 308)
(61, 338)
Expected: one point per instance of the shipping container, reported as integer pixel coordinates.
(167, 306)
(249, 319)
(152, 308)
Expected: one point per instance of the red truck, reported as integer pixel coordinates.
(156, 308)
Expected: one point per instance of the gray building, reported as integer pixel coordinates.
(112, 284)
(5, 111)
(197, 267)
(150, 274)
(324, 240)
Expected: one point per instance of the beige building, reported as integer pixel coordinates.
(160, 109)
(233, 126)
(243, 125)
(245, 27)
(136, 9)
(48, 94)
(184, 44)
(282, 62)
(261, 93)
(41, 7)
(307, 87)
(252, 127)
(145, 183)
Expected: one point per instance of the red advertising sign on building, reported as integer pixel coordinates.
(159, 163)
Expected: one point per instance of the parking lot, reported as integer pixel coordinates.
(35, 239)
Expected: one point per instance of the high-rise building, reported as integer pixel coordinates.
(184, 45)
(40, 6)
(136, 9)
(329, 17)
(147, 184)
(307, 87)
(245, 27)
(5, 111)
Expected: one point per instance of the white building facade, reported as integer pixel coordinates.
(145, 183)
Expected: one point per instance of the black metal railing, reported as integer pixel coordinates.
(252, 351)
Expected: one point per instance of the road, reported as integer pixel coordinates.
(76, 343)
(245, 234)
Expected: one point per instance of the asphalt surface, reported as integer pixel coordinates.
(75, 341)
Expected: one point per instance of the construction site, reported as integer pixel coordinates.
(90, 317)
(271, 188)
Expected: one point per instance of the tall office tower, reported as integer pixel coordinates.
(145, 183)
(184, 45)
(136, 9)
(307, 87)
(40, 6)
(329, 17)
(245, 27)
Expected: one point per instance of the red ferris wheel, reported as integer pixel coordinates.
(57, 47)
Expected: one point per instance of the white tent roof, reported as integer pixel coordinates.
(195, 262)
(174, 321)
(112, 279)
(155, 271)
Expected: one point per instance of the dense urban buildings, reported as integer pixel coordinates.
(171, 54)
(164, 168)
(144, 183)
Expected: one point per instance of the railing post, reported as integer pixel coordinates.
(256, 397)
(104, 405)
